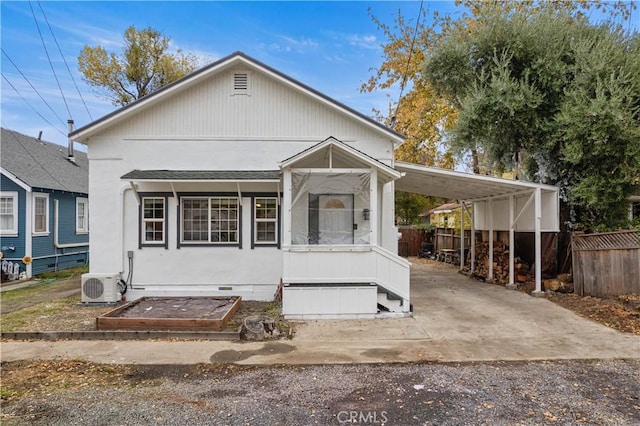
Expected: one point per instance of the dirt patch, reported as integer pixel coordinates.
(50, 307)
(622, 314)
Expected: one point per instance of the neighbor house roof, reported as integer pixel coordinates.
(445, 207)
(41, 164)
(83, 133)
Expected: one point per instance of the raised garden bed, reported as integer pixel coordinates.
(171, 313)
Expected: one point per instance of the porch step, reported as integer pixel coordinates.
(388, 301)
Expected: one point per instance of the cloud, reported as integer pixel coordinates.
(291, 44)
(364, 41)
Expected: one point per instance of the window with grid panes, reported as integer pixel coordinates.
(266, 220)
(210, 220)
(153, 220)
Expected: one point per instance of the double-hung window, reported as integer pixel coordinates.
(153, 220)
(82, 215)
(210, 220)
(40, 213)
(9, 213)
(265, 213)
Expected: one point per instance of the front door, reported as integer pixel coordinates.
(331, 218)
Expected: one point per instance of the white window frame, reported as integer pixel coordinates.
(257, 220)
(162, 220)
(13, 232)
(36, 196)
(85, 202)
(209, 221)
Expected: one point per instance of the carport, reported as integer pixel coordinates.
(497, 204)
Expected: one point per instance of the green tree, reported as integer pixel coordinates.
(144, 66)
(424, 113)
(420, 115)
(410, 206)
(545, 90)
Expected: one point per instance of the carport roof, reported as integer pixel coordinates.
(457, 185)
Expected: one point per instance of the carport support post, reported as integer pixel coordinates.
(462, 207)
(538, 225)
(512, 284)
(490, 273)
(473, 238)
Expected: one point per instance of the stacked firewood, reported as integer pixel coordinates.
(500, 263)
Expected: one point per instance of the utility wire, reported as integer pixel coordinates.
(65, 62)
(34, 89)
(44, 45)
(406, 71)
(32, 107)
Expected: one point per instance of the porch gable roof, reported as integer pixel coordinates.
(331, 143)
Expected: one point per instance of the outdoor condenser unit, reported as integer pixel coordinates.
(100, 288)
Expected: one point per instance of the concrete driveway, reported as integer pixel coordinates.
(455, 320)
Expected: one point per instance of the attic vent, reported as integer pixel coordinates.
(241, 82)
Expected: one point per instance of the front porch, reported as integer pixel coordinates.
(339, 248)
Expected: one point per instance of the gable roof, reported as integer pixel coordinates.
(238, 58)
(41, 164)
(331, 142)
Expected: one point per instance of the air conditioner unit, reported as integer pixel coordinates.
(100, 288)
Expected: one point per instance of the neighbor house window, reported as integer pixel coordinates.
(40, 213)
(210, 220)
(82, 215)
(9, 213)
(153, 220)
(265, 213)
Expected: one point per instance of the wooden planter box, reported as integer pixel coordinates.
(171, 313)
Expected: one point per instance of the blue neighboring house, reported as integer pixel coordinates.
(44, 204)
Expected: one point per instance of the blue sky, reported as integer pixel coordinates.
(330, 46)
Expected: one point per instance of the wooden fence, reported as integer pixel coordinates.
(606, 264)
(411, 240)
(447, 239)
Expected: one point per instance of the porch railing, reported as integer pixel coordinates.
(347, 264)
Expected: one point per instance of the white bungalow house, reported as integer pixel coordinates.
(238, 178)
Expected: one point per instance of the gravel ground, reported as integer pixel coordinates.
(566, 392)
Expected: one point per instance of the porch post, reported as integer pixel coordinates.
(286, 207)
(512, 284)
(373, 207)
(538, 245)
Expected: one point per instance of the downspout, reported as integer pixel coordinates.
(28, 228)
(128, 187)
(56, 243)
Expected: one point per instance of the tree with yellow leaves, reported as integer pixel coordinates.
(143, 67)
